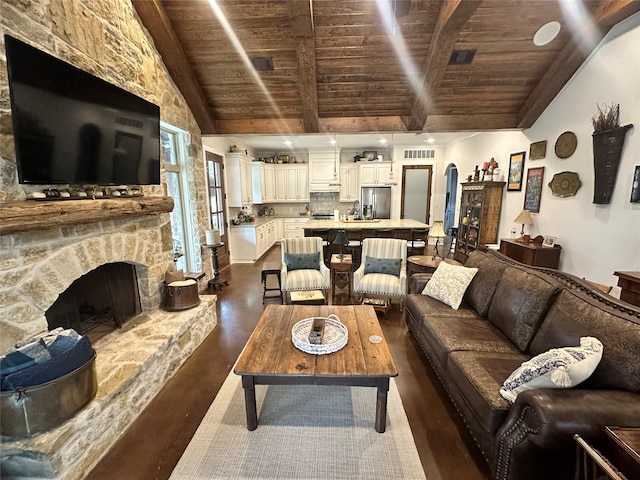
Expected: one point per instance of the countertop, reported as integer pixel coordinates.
(372, 224)
(262, 220)
(356, 224)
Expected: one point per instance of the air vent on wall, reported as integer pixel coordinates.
(461, 57)
(262, 64)
(419, 153)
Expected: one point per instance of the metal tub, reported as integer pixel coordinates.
(38, 408)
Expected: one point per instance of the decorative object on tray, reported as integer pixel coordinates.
(335, 336)
(608, 140)
(516, 167)
(635, 186)
(566, 145)
(538, 150)
(565, 184)
(533, 191)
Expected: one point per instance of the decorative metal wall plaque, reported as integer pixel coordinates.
(566, 145)
(538, 150)
(565, 184)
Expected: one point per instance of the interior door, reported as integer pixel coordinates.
(416, 192)
(217, 204)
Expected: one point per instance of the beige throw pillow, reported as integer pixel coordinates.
(448, 284)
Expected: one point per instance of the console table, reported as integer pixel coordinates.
(531, 254)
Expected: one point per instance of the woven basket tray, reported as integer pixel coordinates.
(335, 336)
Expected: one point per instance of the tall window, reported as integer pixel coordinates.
(175, 165)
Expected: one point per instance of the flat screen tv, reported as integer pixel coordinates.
(71, 127)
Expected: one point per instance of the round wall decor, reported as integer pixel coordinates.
(566, 144)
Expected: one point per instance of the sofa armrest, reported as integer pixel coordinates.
(418, 281)
(555, 415)
(539, 428)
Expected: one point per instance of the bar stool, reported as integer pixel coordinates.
(418, 241)
(271, 268)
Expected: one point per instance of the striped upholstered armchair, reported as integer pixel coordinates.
(383, 269)
(303, 267)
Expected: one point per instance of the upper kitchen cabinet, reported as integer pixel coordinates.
(292, 183)
(238, 175)
(323, 170)
(349, 186)
(376, 173)
(263, 182)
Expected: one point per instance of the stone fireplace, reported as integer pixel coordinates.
(133, 362)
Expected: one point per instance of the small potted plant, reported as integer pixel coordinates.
(608, 140)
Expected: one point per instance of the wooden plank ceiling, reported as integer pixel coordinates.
(366, 65)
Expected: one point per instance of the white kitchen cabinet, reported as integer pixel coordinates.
(375, 173)
(248, 243)
(294, 227)
(323, 176)
(239, 174)
(258, 182)
(263, 182)
(279, 227)
(269, 193)
(350, 186)
(292, 183)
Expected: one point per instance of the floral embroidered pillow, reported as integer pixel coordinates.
(448, 284)
(556, 368)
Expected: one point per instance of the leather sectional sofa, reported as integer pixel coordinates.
(509, 314)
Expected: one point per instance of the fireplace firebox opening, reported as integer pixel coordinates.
(99, 302)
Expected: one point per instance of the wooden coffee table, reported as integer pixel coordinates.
(270, 358)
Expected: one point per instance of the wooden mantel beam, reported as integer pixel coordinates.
(155, 19)
(35, 215)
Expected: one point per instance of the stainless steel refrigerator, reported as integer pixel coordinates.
(376, 202)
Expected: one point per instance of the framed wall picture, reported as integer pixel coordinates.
(538, 150)
(516, 167)
(533, 191)
(635, 186)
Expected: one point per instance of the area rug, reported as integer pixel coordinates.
(304, 432)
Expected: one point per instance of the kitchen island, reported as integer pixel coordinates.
(403, 225)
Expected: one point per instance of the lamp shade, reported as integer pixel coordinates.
(524, 218)
(341, 238)
(437, 230)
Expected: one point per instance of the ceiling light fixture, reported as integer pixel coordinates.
(430, 140)
(287, 143)
(546, 34)
(382, 141)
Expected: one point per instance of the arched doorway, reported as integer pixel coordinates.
(450, 198)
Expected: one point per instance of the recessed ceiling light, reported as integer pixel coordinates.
(382, 141)
(546, 33)
(287, 143)
(332, 141)
(430, 140)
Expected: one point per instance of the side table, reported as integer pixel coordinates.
(341, 272)
(629, 282)
(216, 281)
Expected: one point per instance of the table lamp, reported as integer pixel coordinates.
(525, 219)
(437, 232)
(342, 240)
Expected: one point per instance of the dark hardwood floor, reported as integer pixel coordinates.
(152, 445)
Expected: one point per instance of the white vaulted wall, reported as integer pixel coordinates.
(596, 239)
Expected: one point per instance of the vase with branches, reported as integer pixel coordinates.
(608, 140)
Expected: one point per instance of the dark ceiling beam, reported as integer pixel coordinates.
(453, 16)
(300, 15)
(572, 56)
(154, 18)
